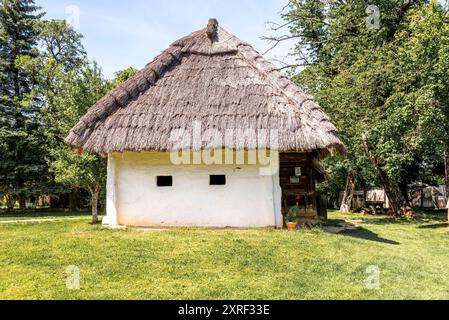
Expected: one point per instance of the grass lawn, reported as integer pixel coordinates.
(413, 258)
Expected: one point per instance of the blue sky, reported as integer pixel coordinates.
(120, 34)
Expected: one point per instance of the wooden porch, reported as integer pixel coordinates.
(299, 173)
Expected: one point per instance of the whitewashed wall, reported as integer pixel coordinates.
(247, 200)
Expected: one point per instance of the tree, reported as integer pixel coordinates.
(84, 171)
(388, 114)
(46, 86)
(121, 76)
(61, 43)
(18, 19)
(423, 66)
(21, 163)
(58, 51)
(348, 194)
(81, 91)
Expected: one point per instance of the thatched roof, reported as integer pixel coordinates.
(213, 77)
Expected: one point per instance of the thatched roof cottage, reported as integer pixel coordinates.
(208, 134)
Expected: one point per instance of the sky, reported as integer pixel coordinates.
(130, 33)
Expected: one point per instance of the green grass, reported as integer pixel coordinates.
(413, 257)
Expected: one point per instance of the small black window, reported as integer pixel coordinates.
(217, 180)
(165, 181)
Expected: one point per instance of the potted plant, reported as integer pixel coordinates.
(291, 220)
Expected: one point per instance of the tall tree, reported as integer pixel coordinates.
(387, 115)
(82, 90)
(60, 52)
(20, 162)
(61, 43)
(18, 20)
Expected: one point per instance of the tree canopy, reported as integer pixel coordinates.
(384, 86)
(47, 85)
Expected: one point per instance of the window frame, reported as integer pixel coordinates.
(161, 184)
(220, 182)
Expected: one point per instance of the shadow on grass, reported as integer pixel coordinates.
(404, 221)
(365, 234)
(435, 226)
(390, 220)
(429, 216)
(358, 231)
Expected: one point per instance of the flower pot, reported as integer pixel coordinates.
(292, 225)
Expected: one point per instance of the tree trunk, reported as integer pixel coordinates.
(404, 193)
(55, 202)
(73, 201)
(446, 177)
(10, 202)
(397, 202)
(95, 196)
(348, 195)
(22, 202)
(446, 171)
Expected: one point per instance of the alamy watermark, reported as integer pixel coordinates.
(373, 19)
(72, 278)
(372, 280)
(73, 16)
(198, 147)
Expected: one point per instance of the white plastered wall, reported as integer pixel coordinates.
(247, 200)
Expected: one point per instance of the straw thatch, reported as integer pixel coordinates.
(212, 77)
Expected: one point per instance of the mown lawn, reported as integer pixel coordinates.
(412, 256)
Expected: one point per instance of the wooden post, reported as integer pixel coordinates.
(422, 199)
(447, 207)
(277, 193)
(446, 171)
(95, 194)
(365, 194)
(447, 210)
(348, 195)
